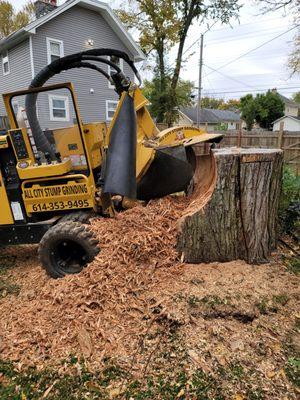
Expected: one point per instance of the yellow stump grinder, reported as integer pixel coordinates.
(55, 175)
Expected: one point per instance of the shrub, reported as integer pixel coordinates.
(289, 209)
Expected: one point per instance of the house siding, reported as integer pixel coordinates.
(291, 110)
(20, 71)
(290, 125)
(74, 27)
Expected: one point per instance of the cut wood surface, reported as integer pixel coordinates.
(233, 214)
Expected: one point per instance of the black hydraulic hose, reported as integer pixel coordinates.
(61, 64)
(40, 139)
(104, 61)
(57, 66)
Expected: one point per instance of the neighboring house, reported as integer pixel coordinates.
(210, 119)
(290, 107)
(291, 124)
(75, 26)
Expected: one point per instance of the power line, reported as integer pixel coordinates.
(247, 23)
(240, 36)
(263, 87)
(252, 90)
(229, 77)
(217, 30)
(250, 51)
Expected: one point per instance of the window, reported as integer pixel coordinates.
(59, 108)
(119, 62)
(55, 49)
(5, 64)
(111, 106)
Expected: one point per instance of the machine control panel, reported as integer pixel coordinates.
(19, 144)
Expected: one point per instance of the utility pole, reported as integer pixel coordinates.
(200, 80)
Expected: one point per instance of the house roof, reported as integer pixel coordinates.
(94, 5)
(287, 116)
(288, 101)
(211, 115)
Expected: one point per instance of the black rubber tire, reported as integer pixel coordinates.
(67, 248)
(78, 216)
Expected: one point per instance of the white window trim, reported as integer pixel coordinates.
(66, 99)
(61, 46)
(107, 108)
(109, 68)
(4, 60)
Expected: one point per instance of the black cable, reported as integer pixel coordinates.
(65, 63)
(103, 60)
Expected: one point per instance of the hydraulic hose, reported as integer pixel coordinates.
(77, 60)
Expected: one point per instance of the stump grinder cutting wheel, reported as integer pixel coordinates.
(54, 177)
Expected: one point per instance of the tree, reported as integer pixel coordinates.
(220, 104)
(11, 20)
(162, 24)
(248, 109)
(263, 109)
(231, 104)
(289, 7)
(294, 59)
(151, 90)
(296, 97)
(269, 107)
(211, 102)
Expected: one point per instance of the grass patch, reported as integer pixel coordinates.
(6, 263)
(212, 300)
(32, 384)
(292, 370)
(267, 306)
(208, 300)
(262, 306)
(193, 301)
(293, 265)
(7, 287)
(291, 350)
(281, 299)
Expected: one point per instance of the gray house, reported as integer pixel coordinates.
(211, 119)
(75, 26)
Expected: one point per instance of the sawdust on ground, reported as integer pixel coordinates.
(118, 307)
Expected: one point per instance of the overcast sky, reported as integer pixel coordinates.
(263, 68)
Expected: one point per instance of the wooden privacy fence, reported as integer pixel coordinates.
(287, 141)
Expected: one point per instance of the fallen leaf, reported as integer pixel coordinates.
(270, 374)
(48, 390)
(238, 397)
(114, 392)
(85, 342)
(237, 345)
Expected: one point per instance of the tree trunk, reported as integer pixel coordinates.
(233, 212)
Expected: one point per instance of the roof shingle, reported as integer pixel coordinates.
(211, 115)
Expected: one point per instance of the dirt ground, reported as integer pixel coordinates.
(163, 329)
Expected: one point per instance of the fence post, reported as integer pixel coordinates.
(280, 135)
(239, 136)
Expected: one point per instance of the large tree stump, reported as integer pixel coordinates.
(233, 212)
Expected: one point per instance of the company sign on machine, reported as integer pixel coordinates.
(55, 191)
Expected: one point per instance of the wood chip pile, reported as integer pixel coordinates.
(102, 311)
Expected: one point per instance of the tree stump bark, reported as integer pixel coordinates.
(233, 212)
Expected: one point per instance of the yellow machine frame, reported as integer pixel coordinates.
(76, 190)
